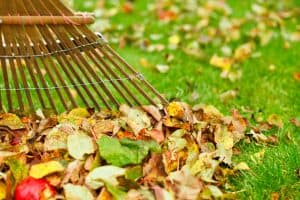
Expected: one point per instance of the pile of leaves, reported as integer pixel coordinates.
(176, 152)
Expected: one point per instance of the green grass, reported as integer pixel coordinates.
(259, 89)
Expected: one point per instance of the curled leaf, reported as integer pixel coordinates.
(77, 192)
(105, 174)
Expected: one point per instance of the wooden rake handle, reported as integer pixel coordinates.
(43, 20)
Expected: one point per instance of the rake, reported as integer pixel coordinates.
(51, 60)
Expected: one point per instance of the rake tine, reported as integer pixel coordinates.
(107, 67)
(163, 100)
(21, 70)
(52, 79)
(16, 50)
(78, 59)
(67, 44)
(67, 90)
(125, 74)
(100, 68)
(8, 51)
(5, 75)
(70, 54)
(59, 32)
(50, 40)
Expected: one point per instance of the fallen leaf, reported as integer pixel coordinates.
(80, 144)
(275, 120)
(184, 185)
(296, 76)
(224, 140)
(296, 122)
(243, 52)
(241, 166)
(136, 119)
(12, 121)
(18, 167)
(43, 169)
(55, 140)
(153, 111)
(228, 95)
(167, 15)
(175, 109)
(162, 68)
(221, 62)
(2, 191)
(77, 192)
(275, 196)
(105, 174)
(123, 152)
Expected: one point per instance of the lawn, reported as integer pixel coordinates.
(263, 84)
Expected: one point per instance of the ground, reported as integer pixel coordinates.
(268, 83)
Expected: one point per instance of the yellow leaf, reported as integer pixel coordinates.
(275, 120)
(243, 52)
(174, 40)
(2, 191)
(221, 62)
(175, 109)
(44, 169)
(11, 120)
(242, 166)
(79, 112)
(75, 116)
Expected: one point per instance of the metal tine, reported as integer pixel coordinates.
(83, 65)
(33, 65)
(137, 87)
(162, 99)
(111, 71)
(23, 78)
(23, 48)
(102, 69)
(125, 74)
(16, 50)
(5, 73)
(58, 74)
(61, 33)
(91, 37)
(38, 47)
(40, 4)
(102, 50)
(78, 59)
(8, 51)
(61, 58)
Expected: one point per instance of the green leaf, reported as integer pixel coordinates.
(134, 173)
(116, 192)
(125, 151)
(18, 168)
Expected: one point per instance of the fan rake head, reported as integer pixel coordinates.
(50, 59)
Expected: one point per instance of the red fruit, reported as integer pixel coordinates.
(34, 189)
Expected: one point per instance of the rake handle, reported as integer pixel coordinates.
(43, 20)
